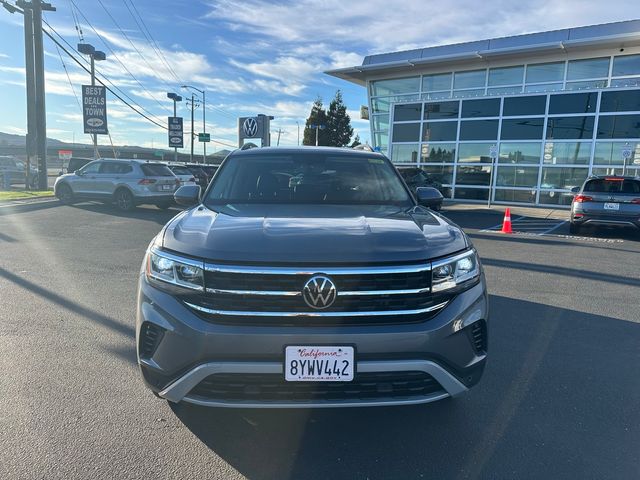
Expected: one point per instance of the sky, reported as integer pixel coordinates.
(250, 56)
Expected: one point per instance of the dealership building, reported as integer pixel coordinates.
(523, 118)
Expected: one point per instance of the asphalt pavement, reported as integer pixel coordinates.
(559, 398)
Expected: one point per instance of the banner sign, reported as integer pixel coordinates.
(94, 109)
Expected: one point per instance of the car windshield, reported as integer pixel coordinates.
(156, 170)
(307, 179)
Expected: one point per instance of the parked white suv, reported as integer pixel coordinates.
(126, 183)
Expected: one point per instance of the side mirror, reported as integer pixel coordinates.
(429, 197)
(575, 189)
(78, 173)
(187, 196)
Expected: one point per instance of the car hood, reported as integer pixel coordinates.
(312, 234)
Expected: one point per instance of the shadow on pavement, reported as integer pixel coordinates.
(533, 415)
(139, 213)
(566, 271)
(6, 238)
(67, 304)
(10, 209)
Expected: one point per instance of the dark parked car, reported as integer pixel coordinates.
(202, 179)
(76, 163)
(416, 177)
(309, 277)
(13, 171)
(612, 201)
(210, 170)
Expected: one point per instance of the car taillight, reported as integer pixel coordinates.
(582, 198)
(636, 201)
(147, 181)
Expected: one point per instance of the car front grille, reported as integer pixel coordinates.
(275, 295)
(273, 387)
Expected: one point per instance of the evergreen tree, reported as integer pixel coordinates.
(356, 141)
(318, 116)
(339, 129)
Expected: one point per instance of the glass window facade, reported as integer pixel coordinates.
(552, 123)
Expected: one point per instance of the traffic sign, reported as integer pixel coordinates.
(493, 151)
(94, 109)
(204, 137)
(175, 132)
(626, 152)
(158, 153)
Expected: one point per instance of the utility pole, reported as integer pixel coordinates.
(192, 109)
(31, 87)
(204, 123)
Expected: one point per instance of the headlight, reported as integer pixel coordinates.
(451, 272)
(175, 270)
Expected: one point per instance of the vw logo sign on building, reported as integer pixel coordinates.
(250, 127)
(258, 126)
(319, 292)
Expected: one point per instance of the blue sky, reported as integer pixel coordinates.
(251, 56)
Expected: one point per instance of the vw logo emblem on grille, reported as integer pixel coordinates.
(319, 292)
(250, 127)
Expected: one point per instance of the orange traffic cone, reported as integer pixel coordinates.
(506, 223)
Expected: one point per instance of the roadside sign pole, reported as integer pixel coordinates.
(93, 84)
(626, 154)
(175, 149)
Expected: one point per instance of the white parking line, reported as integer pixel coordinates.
(532, 226)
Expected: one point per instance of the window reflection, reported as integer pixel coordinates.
(438, 153)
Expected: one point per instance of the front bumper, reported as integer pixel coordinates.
(191, 349)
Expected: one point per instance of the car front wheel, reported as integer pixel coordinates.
(64, 194)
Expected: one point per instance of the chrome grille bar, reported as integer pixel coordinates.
(239, 313)
(356, 293)
(381, 270)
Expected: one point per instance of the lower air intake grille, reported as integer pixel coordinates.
(150, 337)
(479, 336)
(271, 387)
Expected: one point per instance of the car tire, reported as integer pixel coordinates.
(64, 194)
(124, 200)
(573, 228)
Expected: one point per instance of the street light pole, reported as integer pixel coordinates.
(193, 106)
(298, 124)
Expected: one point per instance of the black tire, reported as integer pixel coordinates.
(573, 228)
(65, 194)
(124, 200)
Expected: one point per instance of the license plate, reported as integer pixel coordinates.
(611, 206)
(167, 187)
(319, 364)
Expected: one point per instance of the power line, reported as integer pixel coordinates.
(76, 22)
(130, 42)
(101, 82)
(151, 40)
(105, 77)
(164, 107)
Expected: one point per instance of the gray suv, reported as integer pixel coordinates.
(612, 201)
(126, 183)
(309, 277)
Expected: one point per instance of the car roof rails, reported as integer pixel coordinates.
(364, 146)
(248, 146)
